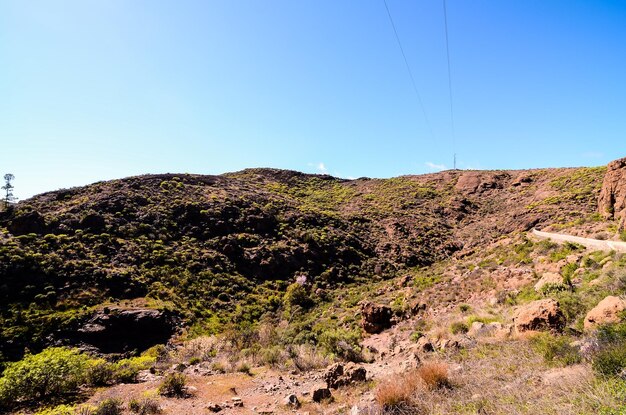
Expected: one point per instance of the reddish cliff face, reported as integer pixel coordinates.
(612, 200)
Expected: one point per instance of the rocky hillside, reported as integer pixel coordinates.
(212, 250)
(241, 293)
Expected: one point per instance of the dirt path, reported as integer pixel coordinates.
(596, 244)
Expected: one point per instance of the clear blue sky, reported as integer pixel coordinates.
(95, 90)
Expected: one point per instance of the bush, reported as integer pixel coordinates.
(459, 327)
(464, 308)
(146, 406)
(173, 385)
(341, 343)
(556, 350)
(100, 373)
(610, 361)
(126, 370)
(109, 407)
(53, 372)
(297, 295)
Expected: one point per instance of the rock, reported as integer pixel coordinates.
(375, 317)
(417, 306)
(320, 393)
(471, 182)
(565, 376)
(612, 199)
(119, 330)
(608, 310)
(341, 375)
(540, 315)
(214, 407)
(355, 410)
(237, 402)
(493, 329)
(292, 401)
(549, 279)
(425, 345)
(25, 223)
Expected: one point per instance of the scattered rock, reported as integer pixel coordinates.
(292, 401)
(549, 279)
(424, 345)
(608, 310)
(321, 393)
(341, 375)
(493, 329)
(214, 407)
(375, 317)
(540, 315)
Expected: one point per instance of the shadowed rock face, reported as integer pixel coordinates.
(123, 330)
(612, 200)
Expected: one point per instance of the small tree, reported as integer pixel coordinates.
(8, 188)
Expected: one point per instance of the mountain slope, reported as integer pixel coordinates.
(217, 250)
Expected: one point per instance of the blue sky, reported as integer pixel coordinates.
(96, 90)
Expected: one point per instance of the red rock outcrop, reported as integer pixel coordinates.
(612, 199)
(608, 310)
(540, 315)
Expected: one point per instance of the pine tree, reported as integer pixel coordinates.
(8, 188)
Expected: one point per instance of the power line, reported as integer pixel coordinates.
(445, 19)
(408, 68)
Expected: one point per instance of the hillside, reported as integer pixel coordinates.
(117, 267)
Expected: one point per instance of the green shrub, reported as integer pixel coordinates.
(610, 361)
(146, 406)
(109, 407)
(100, 373)
(272, 356)
(173, 385)
(53, 372)
(244, 368)
(58, 410)
(464, 308)
(341, 343)
(126, 370)
(459, 327)
(297, 295)
(556, 350)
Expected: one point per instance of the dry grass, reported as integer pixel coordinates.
(397, 394)
(434, 375)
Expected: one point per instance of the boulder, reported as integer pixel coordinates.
(612, 199)
(549, 279)
(320, 393)
(292, 401)
(375, 317)
(120, 330)
(29, 222)
(608, 310)
(540, 315)
(341, 374)
(493, 329)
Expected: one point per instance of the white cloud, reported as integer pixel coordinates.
(322, 168)
(435, 167)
